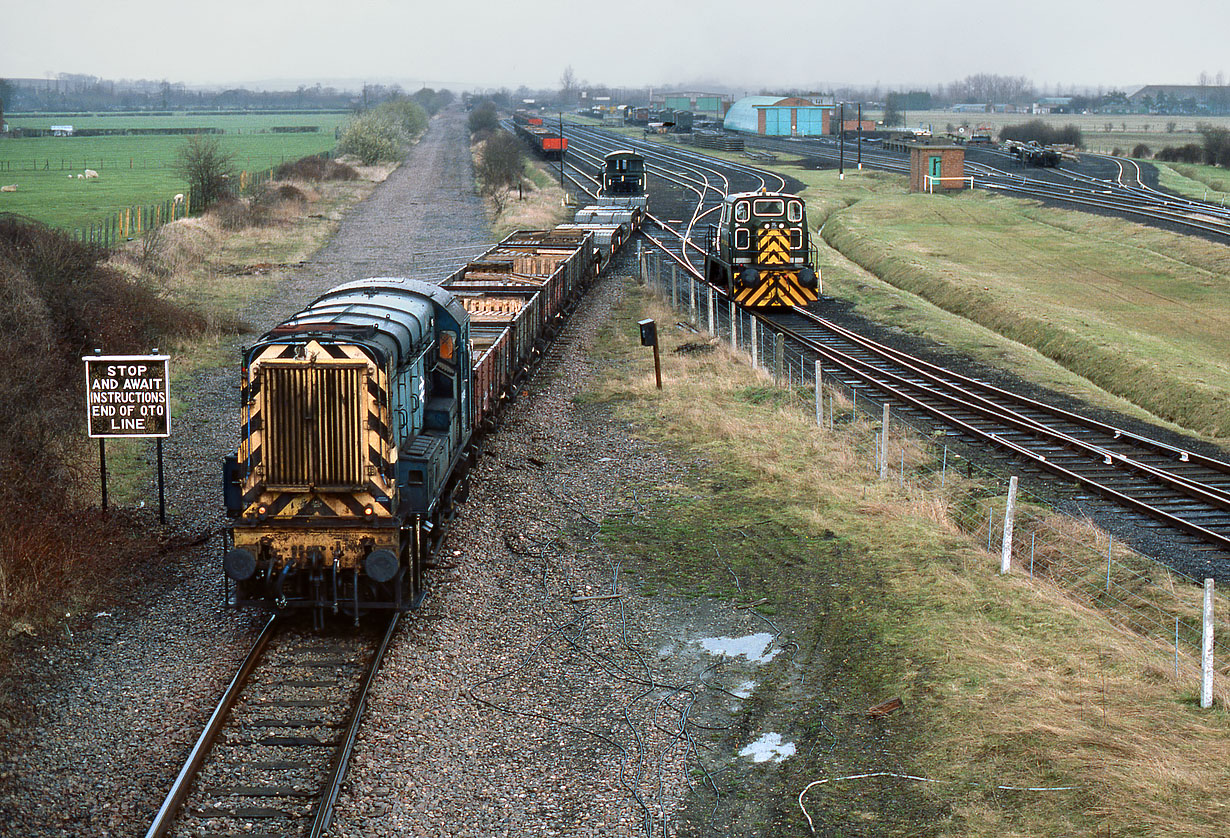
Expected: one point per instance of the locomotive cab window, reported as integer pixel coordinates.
(796, 238)
(795, 212)
(769, 206)
(741, 238)
(742, 211)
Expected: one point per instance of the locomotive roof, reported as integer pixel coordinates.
(760, 193)
(622, 152)
(390, 314)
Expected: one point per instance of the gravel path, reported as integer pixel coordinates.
(505, 707)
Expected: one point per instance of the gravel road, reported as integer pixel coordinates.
(505, 708)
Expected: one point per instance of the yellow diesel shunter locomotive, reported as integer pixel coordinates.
(760, 251)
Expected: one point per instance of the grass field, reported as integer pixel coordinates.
(136, 170)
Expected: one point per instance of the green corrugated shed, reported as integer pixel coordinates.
(679, 103)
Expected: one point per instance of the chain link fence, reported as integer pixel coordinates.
(1135, 591)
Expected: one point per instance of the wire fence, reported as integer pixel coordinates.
(135, 221)
(1135, 591)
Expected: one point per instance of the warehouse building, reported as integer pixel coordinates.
(776, 117)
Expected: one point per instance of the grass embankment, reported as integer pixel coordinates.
(1141, 313)
(1005, 681)
(1204, 183)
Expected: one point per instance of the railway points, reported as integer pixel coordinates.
(1157, 485)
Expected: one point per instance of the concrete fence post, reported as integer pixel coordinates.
(713, 313)
(819, 397)
(779, 355)
(674, 286)
(1206, 652)
(755, 344)
(1005, 553)
(884, 443)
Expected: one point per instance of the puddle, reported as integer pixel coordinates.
(768, 747)
(744, 690)
(754, 647)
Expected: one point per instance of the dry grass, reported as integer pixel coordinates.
(1007, 681)
(538, 204)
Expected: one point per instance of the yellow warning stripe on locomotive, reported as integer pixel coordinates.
(776, 288)
(774, 246)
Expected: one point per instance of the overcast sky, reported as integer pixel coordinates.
(742, 43)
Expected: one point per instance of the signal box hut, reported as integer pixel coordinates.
(936, 167)
(771, 116)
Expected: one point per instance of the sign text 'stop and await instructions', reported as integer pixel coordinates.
(127, 395)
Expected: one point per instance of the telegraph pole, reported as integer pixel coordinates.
(860, 136)
(841, 141)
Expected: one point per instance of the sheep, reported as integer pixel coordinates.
(12, 187)
(79, 176)
(90, 173)
(179, 198)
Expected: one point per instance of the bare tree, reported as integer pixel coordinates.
(500, 165)
(568, 83)
(206, 167)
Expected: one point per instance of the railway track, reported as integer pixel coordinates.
(1157, 484)
(273, 755)
(1172, 492)
(1123, 192)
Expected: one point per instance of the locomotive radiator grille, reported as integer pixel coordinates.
(314, 422)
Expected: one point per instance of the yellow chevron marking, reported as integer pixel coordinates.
(774, 246)
(778, 288)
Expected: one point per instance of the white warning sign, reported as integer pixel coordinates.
(127, 395)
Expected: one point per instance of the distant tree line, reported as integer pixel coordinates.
(69, 92)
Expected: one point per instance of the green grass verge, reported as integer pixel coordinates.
(1142, 313)
(1005, 682)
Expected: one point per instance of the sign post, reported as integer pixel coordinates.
(128, 396)
(649, 337)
